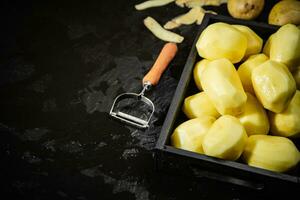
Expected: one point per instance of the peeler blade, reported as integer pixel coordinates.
(130, 119)
(134, 109)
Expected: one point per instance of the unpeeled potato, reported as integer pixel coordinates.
(245, 9)
(285, 12)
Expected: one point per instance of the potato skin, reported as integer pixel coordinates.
(245, 9)
(285, 12)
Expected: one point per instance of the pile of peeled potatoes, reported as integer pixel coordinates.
(252, 112)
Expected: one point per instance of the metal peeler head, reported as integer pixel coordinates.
(134, 109)
(127, 111)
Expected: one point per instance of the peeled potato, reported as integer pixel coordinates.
(267, 47)
(274, 153)
(285, 46)
(189, 135)
(245, 70)
(222, 84)
(287, 123)
(198, 69)
(245, 9)
(199, 105)
(274, 85)
(221, 40)
(254, 118)
(225, 139)
(254, 41)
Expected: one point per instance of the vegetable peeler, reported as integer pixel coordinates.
(136, 109)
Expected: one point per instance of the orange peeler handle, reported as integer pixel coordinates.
(165, 56)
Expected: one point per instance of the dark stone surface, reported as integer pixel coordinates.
(62, 64)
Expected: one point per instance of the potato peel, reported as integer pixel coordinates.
(197, 3)
(160, 32)
(181, 3)
(152, 3)
(200, 17)
(190, 17)
(196, 14)
(186, 19)
(171, 25)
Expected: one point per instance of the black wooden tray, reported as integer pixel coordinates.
(170, 159)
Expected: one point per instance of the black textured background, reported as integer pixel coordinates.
(62, 63)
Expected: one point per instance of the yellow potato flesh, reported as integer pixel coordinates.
(245, 70)
(271, 152)
(222, 84)
(285, 47)
(287, 123)
(254, 44)
(254, 118)
(199, 105)
(189, 135)
(225, 139)
(274, 85)
(198, 69)
(221, 40)
(267, 46)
